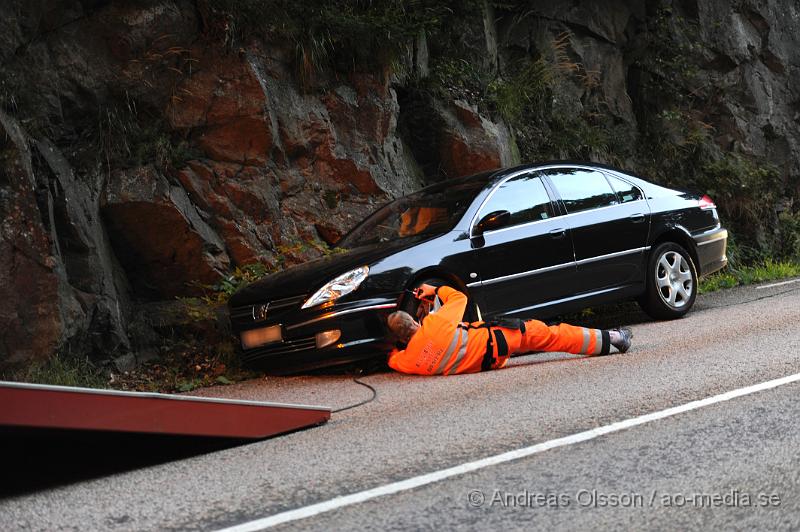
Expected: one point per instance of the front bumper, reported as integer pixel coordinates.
(361, 322)
(711, 250)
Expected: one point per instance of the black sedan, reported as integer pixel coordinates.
(531, 241)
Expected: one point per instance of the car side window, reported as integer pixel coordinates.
(524, 196)
(581, 190)
(625, 190)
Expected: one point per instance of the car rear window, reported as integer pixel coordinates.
(581, 190)
(625, 190)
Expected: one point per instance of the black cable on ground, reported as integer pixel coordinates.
(365, 401)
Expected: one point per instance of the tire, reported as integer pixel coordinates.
(418, 309)
(671, 282)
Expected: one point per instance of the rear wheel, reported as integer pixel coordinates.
(419, 309)
(671, 282)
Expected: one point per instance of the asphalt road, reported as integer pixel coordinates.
(730, 464)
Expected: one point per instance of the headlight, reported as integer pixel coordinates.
(344, 284)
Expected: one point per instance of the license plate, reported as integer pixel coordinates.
(258, 337)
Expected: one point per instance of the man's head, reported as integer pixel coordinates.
(402, 325)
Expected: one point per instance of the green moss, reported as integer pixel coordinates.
(746, 190)
(127, 136)
(670, 53)
(524, 93)
(678, 149)
(219, 293)
(331, 199)
(555, 110)
(457, 78)
(788, 232)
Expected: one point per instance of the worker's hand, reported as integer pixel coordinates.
(425, 291)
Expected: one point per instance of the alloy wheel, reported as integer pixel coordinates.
(674, 279)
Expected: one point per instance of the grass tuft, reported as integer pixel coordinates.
(768, 270)
(184, 369)
(63, 370)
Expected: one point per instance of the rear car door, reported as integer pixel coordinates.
(530, 259)
(609, 227)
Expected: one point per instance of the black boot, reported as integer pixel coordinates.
(624, 342)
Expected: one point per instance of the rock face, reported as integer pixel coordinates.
(453, 140)
(753, 56)
(57, 274)
(32, 317)
(224, 107)
(159, 235)
(145, 156)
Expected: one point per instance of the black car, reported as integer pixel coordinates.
(531, 241)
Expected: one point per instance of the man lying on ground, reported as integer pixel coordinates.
(443, 345)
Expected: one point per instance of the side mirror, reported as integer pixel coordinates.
(493, 220)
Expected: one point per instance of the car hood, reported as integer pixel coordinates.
(308, 277)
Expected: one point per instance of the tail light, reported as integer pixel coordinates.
(707, 203)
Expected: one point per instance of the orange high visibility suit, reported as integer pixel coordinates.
(444, 345)
(416, 219)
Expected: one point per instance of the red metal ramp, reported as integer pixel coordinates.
(65, 407)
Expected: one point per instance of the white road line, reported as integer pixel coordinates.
(436, 476)
(776, 284)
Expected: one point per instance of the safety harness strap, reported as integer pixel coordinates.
(502, 344)
(507, 323)
(468, 326)
(499, 337)
(488, 358)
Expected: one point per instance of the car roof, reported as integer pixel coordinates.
(490, 177)
(503, 172)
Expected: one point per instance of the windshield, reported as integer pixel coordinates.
(433, 210)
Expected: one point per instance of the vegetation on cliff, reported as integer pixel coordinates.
(175, 148)
(556, 106)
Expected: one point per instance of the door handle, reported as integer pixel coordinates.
(636, 218)
(558, 233)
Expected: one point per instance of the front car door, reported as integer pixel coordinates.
(529, 260)
(609, 228)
